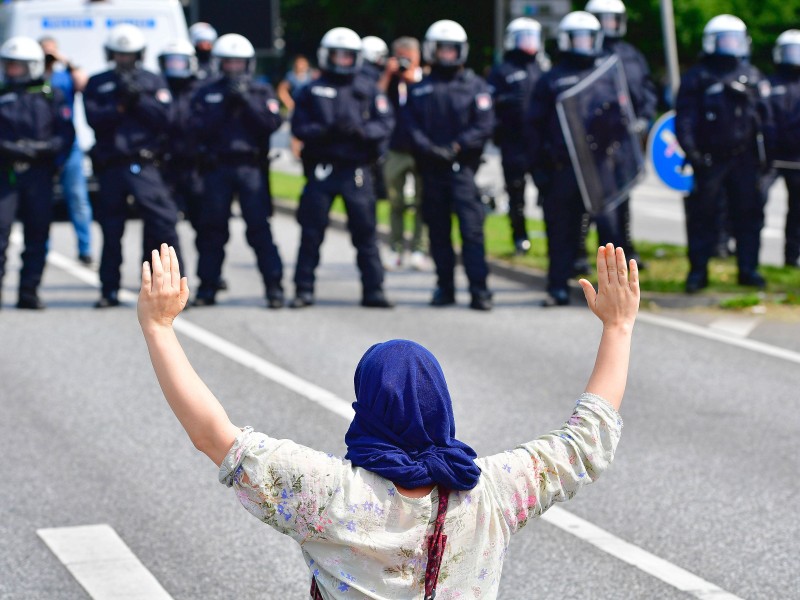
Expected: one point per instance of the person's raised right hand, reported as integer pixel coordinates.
(616, 300)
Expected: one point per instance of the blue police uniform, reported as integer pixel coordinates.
(372, 73)
(720, 114)
(554, 174)
(784, 101)
(232, 121)
(179, 166)
(511, 83)
(449, 117)
(35, 127)
(342, 121)
(130, 113)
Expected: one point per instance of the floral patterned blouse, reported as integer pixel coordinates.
(362, 539)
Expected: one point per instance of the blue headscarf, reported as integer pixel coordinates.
(403, 429)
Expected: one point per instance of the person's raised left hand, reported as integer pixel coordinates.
(164, 292)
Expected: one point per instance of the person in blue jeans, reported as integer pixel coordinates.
(70, 79)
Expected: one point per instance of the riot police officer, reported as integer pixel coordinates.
(202, 36)
(232, 119)
(35, 127)
(374, 53)
(613, 20)
(449, 117)
(719, 124)
(342, 120)
(129, 109)
(511, 84)
(580, 42)
(784, 101)
(178, 65)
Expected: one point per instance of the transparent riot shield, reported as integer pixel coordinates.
(597, 120)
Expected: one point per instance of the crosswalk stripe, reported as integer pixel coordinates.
(102, 563)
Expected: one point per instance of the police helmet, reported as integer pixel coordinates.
(177, 60)
(340, 51)
(726, 35)
(612, 16)
(125, 39)
(374, 50)
(26, 50)
(445, 34)
(233, 45)
(523, 34)
(202, 32)
(787, 48)
(580, 33)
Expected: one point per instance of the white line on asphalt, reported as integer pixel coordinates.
(102, 563)
(717, 336)
(667, 572)
(739, 327)
(633, 555)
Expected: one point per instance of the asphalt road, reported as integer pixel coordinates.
(705, 476)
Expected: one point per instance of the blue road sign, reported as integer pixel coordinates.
(666, 155)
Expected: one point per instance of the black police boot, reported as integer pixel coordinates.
(376, 299)
(555, 298)
(521, 246)
(205, 298)
(443, 297)
(581, 266)
(696, 281)
(107, 300)
(302, 299)
(85, 260)
(221, 285)
(633, 255)
(29, 299)
(275, 297)
(752, 279)
(481, 300)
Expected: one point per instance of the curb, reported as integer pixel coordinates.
(528, 276)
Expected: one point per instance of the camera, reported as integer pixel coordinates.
(403, 64)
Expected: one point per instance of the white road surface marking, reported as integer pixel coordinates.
(739, 327)
(102, 563)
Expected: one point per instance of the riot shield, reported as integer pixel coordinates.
(597, 120)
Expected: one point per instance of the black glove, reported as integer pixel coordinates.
(698, 160)
(237, 90)
(128, 89)
(542, 179)
(443, 153)
(349, 129)
(17, 150)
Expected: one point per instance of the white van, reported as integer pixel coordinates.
(81, 27)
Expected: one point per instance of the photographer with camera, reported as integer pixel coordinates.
(402, 71)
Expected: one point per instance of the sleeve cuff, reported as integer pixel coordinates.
(233, 460)
(589, 398)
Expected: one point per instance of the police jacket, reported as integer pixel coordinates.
(341, 120)
(511, 84)
(234, 119)
(181, 147)
(449, 109)
(720, 108)
(548, 148)
(637, 73)
(35, 124)
(130, 113)
(784, 101)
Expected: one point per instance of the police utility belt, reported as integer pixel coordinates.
(134, 161)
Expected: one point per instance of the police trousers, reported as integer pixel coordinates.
(446, 191)
(514, 160)
(28, 195)
(738, 176)
(251, 185)
(158, 212)
(354, 184)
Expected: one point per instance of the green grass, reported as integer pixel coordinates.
(667, 264)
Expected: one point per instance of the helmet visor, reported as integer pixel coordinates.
(15, 70)
(343, 59)
(789, 54)
(527, 40)
(612, 24)
(177, 66)
(583, 42)
(732, 43)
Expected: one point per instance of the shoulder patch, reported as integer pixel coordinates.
(764, 88)
(66, 113)
(163, 96)
(381, 104)
(273, 106)
(483, 101)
